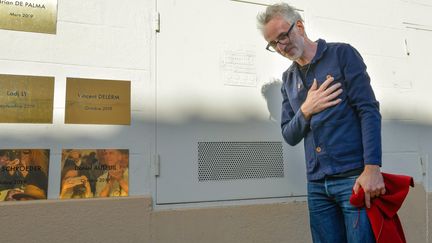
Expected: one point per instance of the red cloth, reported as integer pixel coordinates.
(382, 214)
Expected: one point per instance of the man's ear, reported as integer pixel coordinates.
(301, 28)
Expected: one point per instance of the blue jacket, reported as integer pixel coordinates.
(340, 138)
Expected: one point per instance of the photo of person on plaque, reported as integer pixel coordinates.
(74, 184)
(88, 173)
(23, 174)
(114, 182)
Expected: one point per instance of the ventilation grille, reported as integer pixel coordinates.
(239, 160)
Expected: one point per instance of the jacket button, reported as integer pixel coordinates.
(318, 149)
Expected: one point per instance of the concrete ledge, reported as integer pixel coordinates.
(281, 222)
(133, 220)
(85, 220)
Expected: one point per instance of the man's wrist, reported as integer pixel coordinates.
(372, 168)
(306, 115)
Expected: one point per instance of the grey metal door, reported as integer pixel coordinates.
(218, 105)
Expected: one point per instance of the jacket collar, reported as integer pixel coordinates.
(322, 47)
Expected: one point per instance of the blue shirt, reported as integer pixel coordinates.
(340, 138)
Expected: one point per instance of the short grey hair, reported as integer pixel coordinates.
(288, 12)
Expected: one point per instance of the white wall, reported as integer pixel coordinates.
(115, 40)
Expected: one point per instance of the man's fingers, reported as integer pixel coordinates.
(326, 83)
(331, 103)
(374, 194)
(383, 191)
(333, 95)
(356, 187)
(367, 199)
(314, 85)
(332, 88)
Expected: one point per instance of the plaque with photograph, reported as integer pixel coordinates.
(23, 174)
(26, 99)
(88, 173)
(96, 101)
(29, 15)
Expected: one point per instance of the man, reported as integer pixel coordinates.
(73, 159)
(74, 184)
(114, 181)
(328, 102)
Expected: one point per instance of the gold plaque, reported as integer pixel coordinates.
(29, 15)
(23, 174)
(94, 101)
(89, 173)
(26, 99)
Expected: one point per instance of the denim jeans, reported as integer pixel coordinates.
(332, 218)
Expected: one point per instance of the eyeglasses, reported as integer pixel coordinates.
(282, 39)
